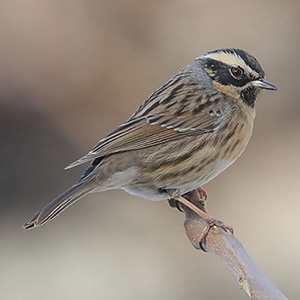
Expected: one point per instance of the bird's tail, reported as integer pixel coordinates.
(60, 203)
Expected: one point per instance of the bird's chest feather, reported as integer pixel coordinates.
(187, 164)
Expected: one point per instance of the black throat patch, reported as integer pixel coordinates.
(249, 95)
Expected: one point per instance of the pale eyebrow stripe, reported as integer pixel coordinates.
(232, 59)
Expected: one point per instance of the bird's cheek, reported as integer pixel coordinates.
(227, 90)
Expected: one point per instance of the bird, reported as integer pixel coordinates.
(181, 137)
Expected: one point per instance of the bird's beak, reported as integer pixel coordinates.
(263, 84)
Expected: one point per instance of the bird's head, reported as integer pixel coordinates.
(236, 73)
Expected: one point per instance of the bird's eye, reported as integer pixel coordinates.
(236, 72)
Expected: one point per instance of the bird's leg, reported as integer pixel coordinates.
(202, 198)
(200, 194)
(210, 220)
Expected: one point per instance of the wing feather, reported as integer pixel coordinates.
(174, 110)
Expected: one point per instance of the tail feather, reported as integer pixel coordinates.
(60, 203)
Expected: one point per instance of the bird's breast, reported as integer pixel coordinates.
(184, 164)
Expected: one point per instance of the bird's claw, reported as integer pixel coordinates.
(211, 222)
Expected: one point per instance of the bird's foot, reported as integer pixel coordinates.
(175, 204)
(211, 222)
(198, 209)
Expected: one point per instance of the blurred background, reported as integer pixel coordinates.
(71, 72)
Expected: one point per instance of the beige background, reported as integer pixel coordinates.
(70, 72)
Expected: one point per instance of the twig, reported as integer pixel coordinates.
(225, 245)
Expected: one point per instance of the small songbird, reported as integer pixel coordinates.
(185, 134)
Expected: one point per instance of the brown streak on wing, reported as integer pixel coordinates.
(139, 135)
(157, 122)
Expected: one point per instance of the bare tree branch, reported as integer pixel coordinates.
(225, 245)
